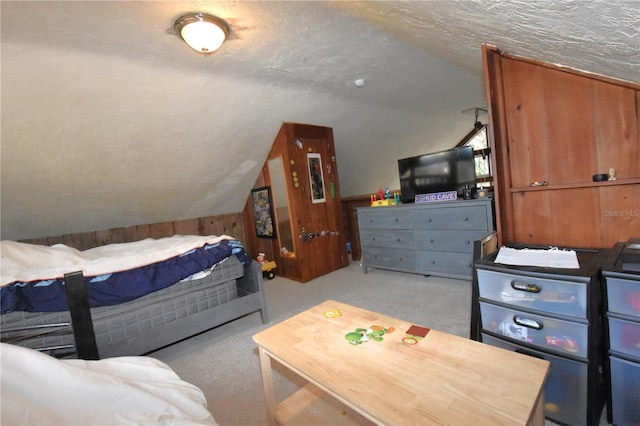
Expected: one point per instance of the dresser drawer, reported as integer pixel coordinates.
(546, 295)
(390, 258)
(548, 333)
(445, 263)
(565, 393)
(623, 296)
(384, 218)
(453, 241)
(625, 392)
(451, 218)
(390, 239)
(624, 337)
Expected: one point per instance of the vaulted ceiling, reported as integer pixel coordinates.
(109, 119)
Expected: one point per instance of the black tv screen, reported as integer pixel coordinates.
(450, 170)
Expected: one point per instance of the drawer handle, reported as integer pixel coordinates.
(467, 242)
(522, 286)
(431, 240)
(397, 220)
(433, 262)
(465, 219)
(429, 220)
(527, 322)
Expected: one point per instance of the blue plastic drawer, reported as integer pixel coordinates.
(565, 393)
(545, 332)
(548, 295)
(624, 336)
(623, 296)
(625, 392)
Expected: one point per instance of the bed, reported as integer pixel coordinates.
(142, 295)
(122, 390)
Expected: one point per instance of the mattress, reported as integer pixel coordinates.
(118, 324)
(115, 274)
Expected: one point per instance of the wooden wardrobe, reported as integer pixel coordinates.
(552, 129)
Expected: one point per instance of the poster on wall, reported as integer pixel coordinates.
(316, 179)
(262, 212)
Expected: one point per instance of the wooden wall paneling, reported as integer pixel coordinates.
(568, 105)
(575, 218)
(637, 108)
(350, 215)
(619, 213)
(114, 235)
(616, 133)
(548, 116)
(231, 224)
(135, 233)
(88, 240)
(187, 227)
(102, 237)
(71, 240)
(497, 135)
(532, 226)
(527, 139)
(235, 226)
(558, 217)
(43, 241)
(209, 225)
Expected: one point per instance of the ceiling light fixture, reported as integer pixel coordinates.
(202, 32)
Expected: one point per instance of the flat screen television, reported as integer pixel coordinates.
(449, 170)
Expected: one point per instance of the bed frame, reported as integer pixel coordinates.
(145, 324)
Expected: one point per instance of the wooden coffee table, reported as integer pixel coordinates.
(395, 378)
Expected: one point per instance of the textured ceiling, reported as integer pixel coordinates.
(108, 119)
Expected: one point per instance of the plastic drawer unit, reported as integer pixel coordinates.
(565, 392)
(555, 314)
(621, 273)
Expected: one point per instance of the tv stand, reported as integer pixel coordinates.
(426, 238)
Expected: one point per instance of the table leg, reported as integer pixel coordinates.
(538, 411)
(267, 384)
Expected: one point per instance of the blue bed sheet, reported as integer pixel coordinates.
(119, 287)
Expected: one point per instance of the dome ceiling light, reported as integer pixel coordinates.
(202, 32)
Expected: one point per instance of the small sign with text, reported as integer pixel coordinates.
(437, 196)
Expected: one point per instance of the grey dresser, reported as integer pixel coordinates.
(427, 238)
